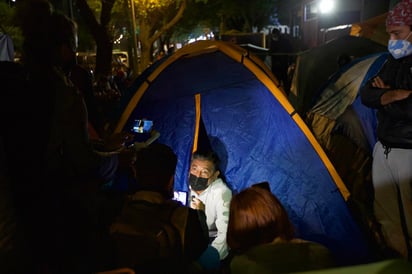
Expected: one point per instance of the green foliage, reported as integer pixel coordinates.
(156, 19)
(223, 15)
(159, 12)
(95, 6)
(243, 15)
(199, 16)
(147, 8)
(7, 25)
(120, 13)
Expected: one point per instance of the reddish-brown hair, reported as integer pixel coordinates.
(256, 217)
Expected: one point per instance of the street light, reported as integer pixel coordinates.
(326, 6)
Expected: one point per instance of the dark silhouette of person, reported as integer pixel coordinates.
(280, 50)
(53, 167)
(151, 207)
(343, 59)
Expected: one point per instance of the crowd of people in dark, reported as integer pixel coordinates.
(57, 154)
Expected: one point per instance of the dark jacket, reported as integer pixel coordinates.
(282, 257)
(141, 216)
(394, 127)
(52, 167)
(70, 151)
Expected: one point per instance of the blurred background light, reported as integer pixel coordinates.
(326, 6)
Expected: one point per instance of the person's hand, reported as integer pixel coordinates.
(117, 141)
(377, 82)
(136, 146)
(195, 203)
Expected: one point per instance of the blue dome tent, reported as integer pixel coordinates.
(218, 91)
(342, 92)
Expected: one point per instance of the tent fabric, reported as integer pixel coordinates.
(346, 128)
(390, 266)
(373, 29)
(6, 48)
(255, 131)
(315, 67)
(341, 92)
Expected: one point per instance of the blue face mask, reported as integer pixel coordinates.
(400, 48)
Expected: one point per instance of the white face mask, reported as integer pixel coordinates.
(400, 48)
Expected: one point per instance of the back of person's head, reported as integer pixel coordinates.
(256, 217)
(44, 31)
(264, 185)
(207, 155)
(343, 59)
(155, 167)
(276, 33)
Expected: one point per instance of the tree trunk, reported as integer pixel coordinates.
(146, 45)
(101, 34)
(103, 55)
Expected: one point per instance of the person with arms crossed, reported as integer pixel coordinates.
(389, 93)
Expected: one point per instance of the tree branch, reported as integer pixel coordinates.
(171, 23)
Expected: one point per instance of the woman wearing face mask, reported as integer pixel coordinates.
(208, 192)
(389, 93)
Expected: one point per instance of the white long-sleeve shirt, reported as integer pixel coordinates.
(217, 197)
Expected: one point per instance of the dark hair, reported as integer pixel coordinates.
(276, 31)
(256, 217)
(44, 30)
(343, 59)
(154, 167)
(207, 155)
(264, 185)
